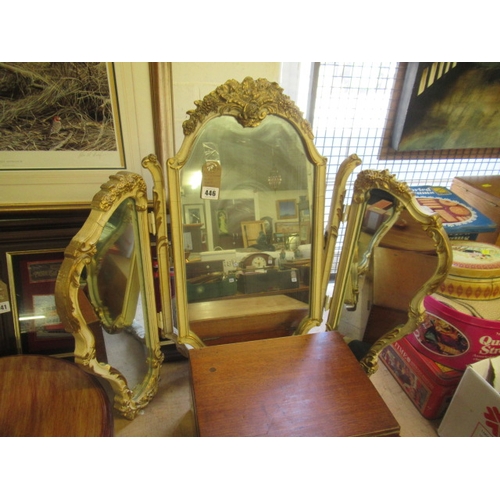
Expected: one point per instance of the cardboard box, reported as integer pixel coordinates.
(483, 193)
(475, 407)
(460, 220)
(429, 385)
(398, 275)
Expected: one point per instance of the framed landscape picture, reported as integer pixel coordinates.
(286, 209)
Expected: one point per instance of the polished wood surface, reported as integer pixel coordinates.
(247, 318)
(45, 396)
(309, 385)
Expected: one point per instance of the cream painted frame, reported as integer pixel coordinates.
(348, 268)
(71, 160)
(249, 102)
(79, 254)
(74, 188)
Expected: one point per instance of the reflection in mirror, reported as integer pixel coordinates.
(394, 254)
(108, 265)
(247, 198)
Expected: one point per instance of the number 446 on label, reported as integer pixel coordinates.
(210, 193)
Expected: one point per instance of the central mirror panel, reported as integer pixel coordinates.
(247, 206)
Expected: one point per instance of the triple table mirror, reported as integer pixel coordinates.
(246, 240)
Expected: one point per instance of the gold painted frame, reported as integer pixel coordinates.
(349, 268)
(249, 102)
(79, 255)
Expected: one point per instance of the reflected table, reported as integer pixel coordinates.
(41, 396)
(309, 385)
(246, 318)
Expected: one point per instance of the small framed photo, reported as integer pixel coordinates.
(194, 214)
(32, 279)
(279, 238)
(287, 227)
(286, 209)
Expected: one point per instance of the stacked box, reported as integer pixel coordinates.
(429, 385)
(475, 408)
(483, 193)
(460, 220)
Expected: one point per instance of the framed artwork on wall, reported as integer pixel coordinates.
(60, 116)
(286, 209)
(194, 214)
(448, 106)
(32, 278)
(287, 227)
(70, 178)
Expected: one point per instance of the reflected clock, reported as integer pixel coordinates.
(259, 260)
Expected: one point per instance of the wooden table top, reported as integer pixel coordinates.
(309, 385)
(46, 396)
(247, 318)
(243, 306)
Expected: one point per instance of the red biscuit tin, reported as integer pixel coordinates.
(428, 384)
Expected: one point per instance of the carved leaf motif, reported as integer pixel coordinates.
(249, 102)
(118, 184)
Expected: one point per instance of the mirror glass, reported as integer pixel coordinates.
(262, 210)
(115, 287)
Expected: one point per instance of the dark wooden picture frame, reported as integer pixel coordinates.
(448, 106)
(32, 278)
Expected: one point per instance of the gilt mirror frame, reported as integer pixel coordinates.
(351, 265)
(249, 103)
(79, 257)
(336, 215)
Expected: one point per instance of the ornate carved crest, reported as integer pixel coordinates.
(249, 102)
(118, 184)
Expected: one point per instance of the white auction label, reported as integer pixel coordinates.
(210, 193)
(4, 307)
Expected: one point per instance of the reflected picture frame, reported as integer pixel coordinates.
(286, 209)
(194, 214)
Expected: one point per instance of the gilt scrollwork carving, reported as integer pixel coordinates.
(250, 102)
(116, 186)
(352, 265)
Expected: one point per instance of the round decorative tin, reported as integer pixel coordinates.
(475, 272)
(453, 338)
